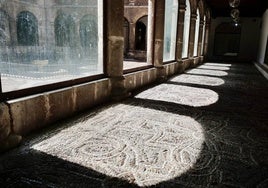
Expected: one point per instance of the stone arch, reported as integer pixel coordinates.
(138, 17)
(27, 29)
(141, 33)
(88, 31)
(64, 28)
(4, 28)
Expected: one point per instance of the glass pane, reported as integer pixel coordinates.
(196, 32)
(186, 30)
(49, 42)
(170, 32)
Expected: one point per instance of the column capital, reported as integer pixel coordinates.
(193, 16)
(182, 8)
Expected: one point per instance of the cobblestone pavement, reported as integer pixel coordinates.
(205, 128)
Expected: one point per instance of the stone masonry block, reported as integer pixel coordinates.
(103, 91)
(5, 126)
(61, 104)
(85, 96)
(28, 114)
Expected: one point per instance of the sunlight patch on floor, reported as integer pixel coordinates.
(141, 145)
(207, 72)
(213, 67)
(219, 64)
(184, 95)
(195, 79)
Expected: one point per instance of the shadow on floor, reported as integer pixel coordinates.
(234, 152)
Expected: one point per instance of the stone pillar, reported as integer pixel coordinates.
(191, 38)
(200, 38)
(13, 32)
(114, 43)
(180, 28)
(206, 38)
(132, 30)
(159, 39)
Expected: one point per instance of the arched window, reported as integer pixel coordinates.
(170, 32)
(126, 36)
(141, 33)
(64, 30)
(203, 36)
(4, 29)
(196, 32)
(89, 32)
(27, 29)
(186, 30)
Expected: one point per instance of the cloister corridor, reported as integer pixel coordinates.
(205, 127)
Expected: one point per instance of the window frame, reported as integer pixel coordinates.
(176, 36)
(188, 33)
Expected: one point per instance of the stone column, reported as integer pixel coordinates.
(207, 28)
(132, 29)
(13, 32)
(191, 38)
(159, 39)
(180, 28)
(114, 47)
(200, 38)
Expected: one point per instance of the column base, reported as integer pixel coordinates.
(10, 142)
(119, 92)
(161, 74)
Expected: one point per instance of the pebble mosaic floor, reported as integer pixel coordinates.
(207, 127)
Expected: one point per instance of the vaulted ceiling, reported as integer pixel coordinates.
(247, 8)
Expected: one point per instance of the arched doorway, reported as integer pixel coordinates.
(227, 39)
(88, 32)
(89, 36)
(141, 34)
(64, 30)
(27, 29)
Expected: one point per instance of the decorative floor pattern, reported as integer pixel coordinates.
(195, 130)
